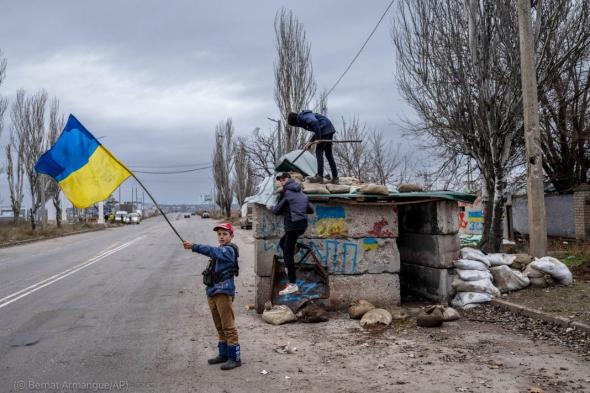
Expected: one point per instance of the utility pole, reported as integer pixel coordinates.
(532, 137)
(279, 146)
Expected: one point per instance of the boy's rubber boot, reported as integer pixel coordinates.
(222, 357)
(234, 361)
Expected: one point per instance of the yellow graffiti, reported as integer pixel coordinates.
(369, 246)
(331, 226)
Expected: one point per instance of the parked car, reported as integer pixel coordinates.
(205, 215)
(121, 216)
(133, 218)
(246, 216)
(186, 215)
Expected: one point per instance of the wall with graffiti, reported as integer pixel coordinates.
(344, 256)
(334, 221)
(471, 218)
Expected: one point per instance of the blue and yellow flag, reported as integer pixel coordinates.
(86, 171)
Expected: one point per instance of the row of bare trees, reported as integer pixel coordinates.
(31, 133)
(233, 173)
(458, 66)
(375, 160)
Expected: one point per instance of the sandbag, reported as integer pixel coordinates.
(541, 282)
(348, 181)
(314, 188)
(473, 275)
(555, 268)
(376, 189)
(501, 259)
(338, 188)
(430, 317)
(468, 299)
(468, 264)
(482, 286)
(312, 312)
(296, 176)
(521, 261)
(358, 308)
(408, 187)
(507, 279)
(277, 315)
(376, 317)
(450, 314)
(531, 272)
(474, 255)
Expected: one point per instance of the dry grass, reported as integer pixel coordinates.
(22, 231)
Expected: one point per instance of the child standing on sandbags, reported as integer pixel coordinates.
(294, 206)
(219, 279)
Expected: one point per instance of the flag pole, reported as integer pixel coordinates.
(158, 206)
(146, 190)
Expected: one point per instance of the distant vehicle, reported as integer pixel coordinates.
(205, 215)
(121, 216)
(133, 218)
(186, 215)
(246, 216)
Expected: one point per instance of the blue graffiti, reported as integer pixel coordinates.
(305, 291)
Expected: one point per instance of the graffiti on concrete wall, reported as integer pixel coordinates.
(338, 255)
(380, 230)
(330, 221)
(471, 218)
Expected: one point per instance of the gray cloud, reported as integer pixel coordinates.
(155, 77)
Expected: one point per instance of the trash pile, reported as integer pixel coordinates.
(479, 277)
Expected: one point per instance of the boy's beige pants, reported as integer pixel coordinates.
(223, 317)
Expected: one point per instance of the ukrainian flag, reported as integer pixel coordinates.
(86, 171)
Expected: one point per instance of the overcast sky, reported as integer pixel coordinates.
(154, 78)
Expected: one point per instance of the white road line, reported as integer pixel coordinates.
(5, 301)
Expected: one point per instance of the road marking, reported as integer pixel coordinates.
(5, 301)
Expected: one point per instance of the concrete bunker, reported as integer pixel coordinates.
(373, 247)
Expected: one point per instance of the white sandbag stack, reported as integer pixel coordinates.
(558, 271)
(473, 280)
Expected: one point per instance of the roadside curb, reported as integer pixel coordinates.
(531, 312)
(37, 239)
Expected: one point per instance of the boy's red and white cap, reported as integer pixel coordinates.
(225, 225)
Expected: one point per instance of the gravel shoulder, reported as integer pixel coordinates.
(487, 350)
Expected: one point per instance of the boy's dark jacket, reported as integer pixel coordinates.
(294, 206)
(320, 125)
(225, 259)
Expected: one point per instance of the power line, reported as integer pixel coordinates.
(361, 49)
(175, 172)
(167, 166)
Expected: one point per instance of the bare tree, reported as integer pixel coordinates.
(294, 83)
(244, 181)
(263, 152)
(353, 159)
(222, 165)
(56, 123)
(383, 158)
(322, 104)
(3, 100)
(459, 68)
(28, 120)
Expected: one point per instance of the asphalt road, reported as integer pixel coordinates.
(112, 310)
(124, 310)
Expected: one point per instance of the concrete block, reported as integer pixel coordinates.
(433, 218)
(437, 251)
(338, 256)
(430, 283)
(380, 289)
(332, 220)
(262, 292)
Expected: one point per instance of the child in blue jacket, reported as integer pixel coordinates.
(219, 279)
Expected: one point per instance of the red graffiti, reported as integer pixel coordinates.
(462, 221)
(378, 231)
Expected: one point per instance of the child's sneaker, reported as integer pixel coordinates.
(290, 288)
